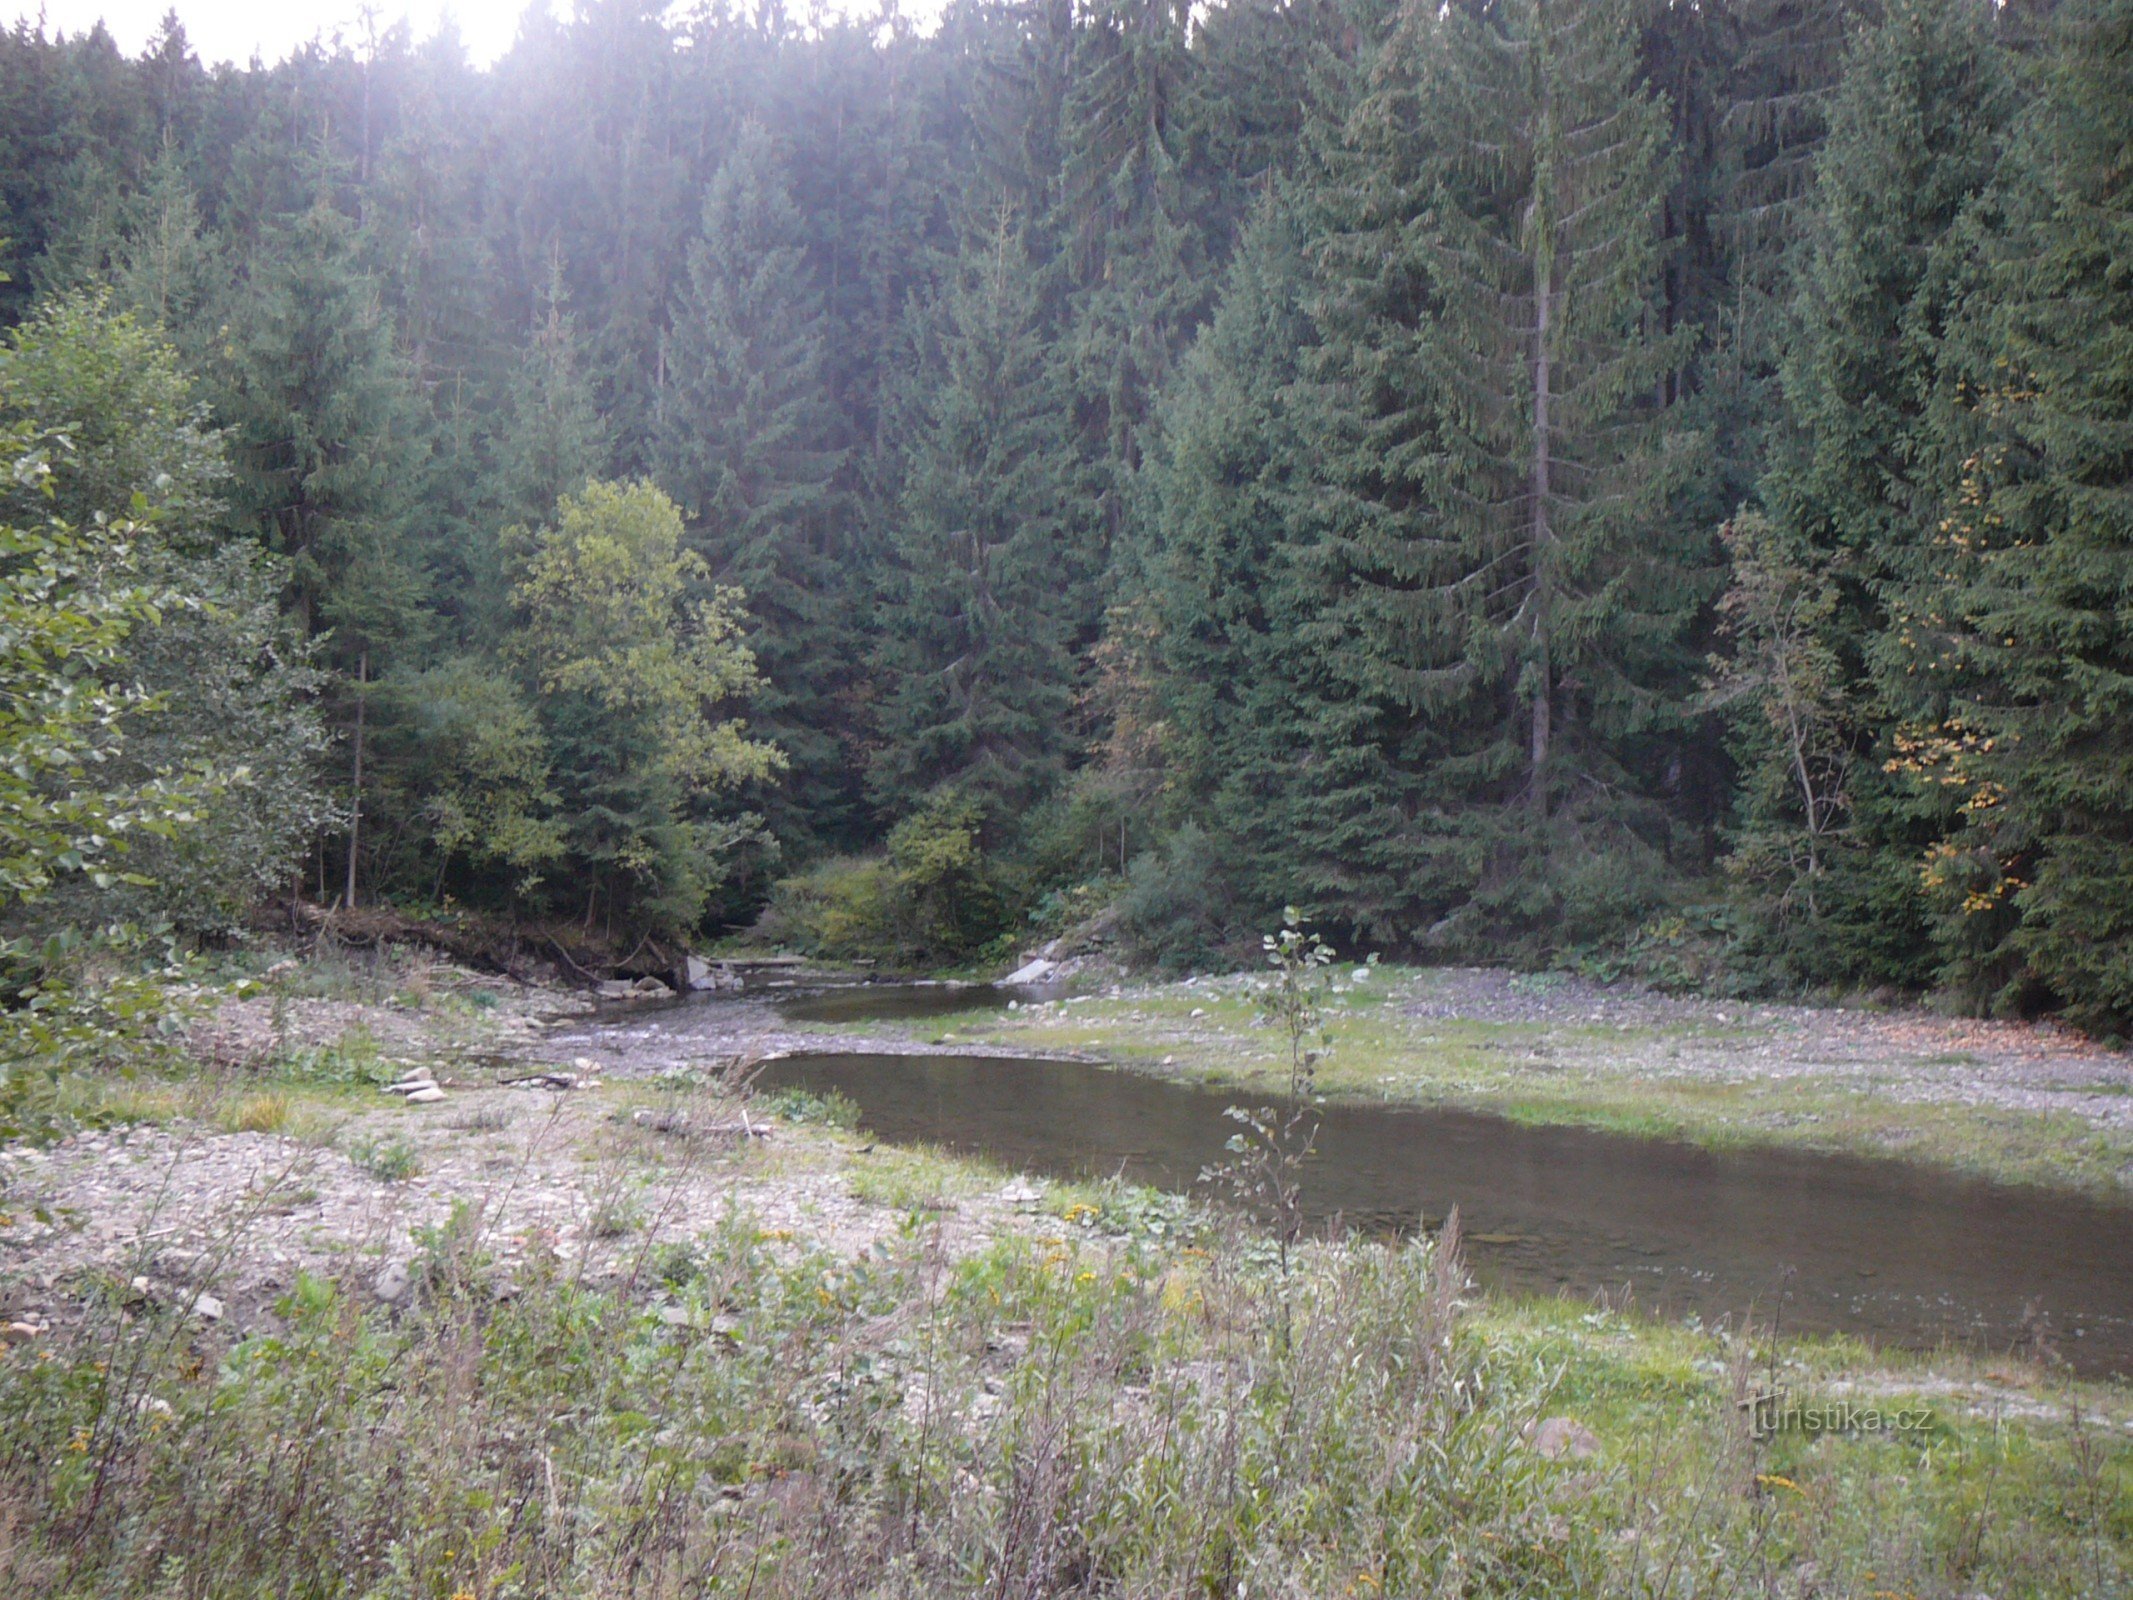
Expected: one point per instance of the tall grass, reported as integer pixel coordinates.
(1045, 1418)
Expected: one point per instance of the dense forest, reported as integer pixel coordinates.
(1634, 482)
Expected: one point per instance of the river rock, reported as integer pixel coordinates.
(1561, 1437)
(204, 1306)
(427, 1095)
(701, 974)
(392, 1284)
(1031, 971)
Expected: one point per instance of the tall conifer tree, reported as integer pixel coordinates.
(1915, 134)
(991, 543)
(746, 445)
(1500, 572)
(2018, 612)
(324, 436)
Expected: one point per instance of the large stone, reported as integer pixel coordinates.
(1032, 971)
(392, 1284)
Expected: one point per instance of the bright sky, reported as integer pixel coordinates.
(232, 30)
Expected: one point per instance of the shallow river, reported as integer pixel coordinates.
(1898, 1253)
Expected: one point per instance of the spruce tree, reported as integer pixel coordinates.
(1132, 253)
(324, 435)
(553, 438)
(1293, 770)
(1499, 572)
(975, 675)
(1915, 133)
(164, 264)
(2018, 615)
(746, 447)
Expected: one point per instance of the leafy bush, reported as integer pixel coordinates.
(221, 688)
(936, 897)
(1179, 910)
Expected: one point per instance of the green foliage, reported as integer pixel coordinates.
(744, 446)
(64, 622)
(554, 439)
(1344, 433)
(633, 656)
(989, 555)
(1915, 130)
(838, 907)
(480, 772)
(1177, 911)
(756, 1450)
(73, 601)
(229, 690)
(2020, 623)
(832, 1110)
(936, 897)
(1295, 1001)
(321, 431)
(947, 898)
(388, 1159)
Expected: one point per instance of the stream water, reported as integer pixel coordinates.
(1903, 1254)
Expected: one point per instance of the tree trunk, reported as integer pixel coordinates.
(1541, 534)
(355, 814)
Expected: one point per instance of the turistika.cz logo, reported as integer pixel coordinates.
(1774, 1411)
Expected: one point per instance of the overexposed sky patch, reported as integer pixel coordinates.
(236, 30)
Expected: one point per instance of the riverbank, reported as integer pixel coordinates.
(2015, 1102)
(618, 1328)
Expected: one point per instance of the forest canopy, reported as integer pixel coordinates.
(1638, 483)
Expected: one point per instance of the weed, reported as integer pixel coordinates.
(1043, 1417)
(254, 1113)
(833, 1110)
(389, 1160)
(485, 1119)
(616, 1217)
(351, 1061)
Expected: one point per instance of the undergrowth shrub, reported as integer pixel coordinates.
(935, 897)
(1125, 1415)
(1179, 911)
(1042, 1418)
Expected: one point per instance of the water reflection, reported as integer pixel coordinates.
(1905, 1254)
